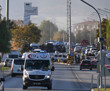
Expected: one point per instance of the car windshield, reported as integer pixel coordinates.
(13, 56)
(86, 62)
(19, 62)
(7, 60)
(37, 64)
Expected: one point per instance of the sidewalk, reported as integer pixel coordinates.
(5, 73)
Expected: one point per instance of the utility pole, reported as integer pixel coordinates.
(50, 30)
(69, 22)
(70, 27)
(0, 12)
(7, 10)
(63, 36)
(90, 37)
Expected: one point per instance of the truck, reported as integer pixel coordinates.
(37, 70)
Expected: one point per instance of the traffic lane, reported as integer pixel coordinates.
(13, 82)
(85, 76)
(63, 80)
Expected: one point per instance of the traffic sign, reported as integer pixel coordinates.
(71, 54)
(108, 55)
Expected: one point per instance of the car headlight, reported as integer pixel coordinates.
(48, 76)
(26, 75)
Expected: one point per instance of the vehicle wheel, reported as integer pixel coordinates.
(49, 87)
(2, 88)
(13, 75)
(25, 87)
(90, 68)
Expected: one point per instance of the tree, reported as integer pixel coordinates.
(24, 35)
(104, 29)
(86, 35)
(108, 35)
(47, 30)
(78, 36)
(5, 37)
(57, 36)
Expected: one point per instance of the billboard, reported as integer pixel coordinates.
(28, 11)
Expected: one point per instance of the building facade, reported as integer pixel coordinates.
(87, 25)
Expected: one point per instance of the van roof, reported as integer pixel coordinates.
(41, 56)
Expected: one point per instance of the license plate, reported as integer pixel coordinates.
(86, 64)
(37, 83)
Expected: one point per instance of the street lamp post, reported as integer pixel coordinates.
(7, 9)
(100, 35)
(69, 26)
(0, 12)
(50, 31)
(90, 37)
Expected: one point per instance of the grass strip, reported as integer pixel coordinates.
(102, 89)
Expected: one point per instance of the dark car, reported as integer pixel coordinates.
(86, 64)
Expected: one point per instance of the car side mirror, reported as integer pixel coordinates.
(2, 79)
(22, 68)
(53, 68)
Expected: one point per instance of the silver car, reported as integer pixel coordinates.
(7, 62)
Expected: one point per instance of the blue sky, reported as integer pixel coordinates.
(55, 10)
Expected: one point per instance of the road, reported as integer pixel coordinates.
(65, 78)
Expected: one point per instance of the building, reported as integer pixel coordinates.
(19, 22)
(87, 25)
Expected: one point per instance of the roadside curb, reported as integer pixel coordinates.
(6, 74)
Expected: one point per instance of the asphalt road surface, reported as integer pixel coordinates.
(65, 78)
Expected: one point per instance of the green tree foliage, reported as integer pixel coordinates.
(5, 37)
(58, 36)
(24, 35)
(104, 28)
(85, 35)
(108, 35)
(47, 30)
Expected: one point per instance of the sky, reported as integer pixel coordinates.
(56, 10)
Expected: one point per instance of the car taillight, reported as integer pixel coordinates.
(81, 64)
(108, 66)
(90, 64)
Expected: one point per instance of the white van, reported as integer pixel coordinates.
(17, 67)
(37, 70)
(60, 56)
